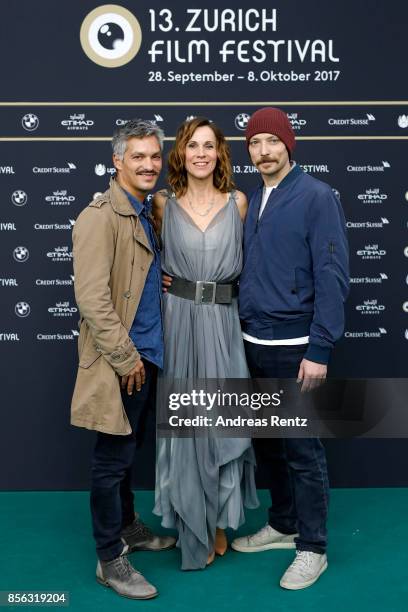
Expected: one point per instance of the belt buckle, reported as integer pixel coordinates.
(201, 287)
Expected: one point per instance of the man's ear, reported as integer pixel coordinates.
(117, 162)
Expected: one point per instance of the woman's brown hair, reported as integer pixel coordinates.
(177, 174)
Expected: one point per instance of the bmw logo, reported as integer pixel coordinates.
(21, 254)
(30, 122)
(22, 309)
(19, 197)
(241, 121)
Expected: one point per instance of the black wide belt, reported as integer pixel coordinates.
(203, 292)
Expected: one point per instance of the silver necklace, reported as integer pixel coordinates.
(197, 212)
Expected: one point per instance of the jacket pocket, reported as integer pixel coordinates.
(88, 353)
(304, 285)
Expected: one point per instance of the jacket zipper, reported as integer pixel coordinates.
(257, 217)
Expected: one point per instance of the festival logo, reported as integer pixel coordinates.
(110, 36)
(8, 282)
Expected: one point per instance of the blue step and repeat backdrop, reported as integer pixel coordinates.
(71, 72)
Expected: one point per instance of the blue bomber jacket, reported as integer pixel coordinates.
(295, 277)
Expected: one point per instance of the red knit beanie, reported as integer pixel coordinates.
(271, 120)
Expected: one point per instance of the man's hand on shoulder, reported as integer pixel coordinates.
(311, 374)
(135, 378)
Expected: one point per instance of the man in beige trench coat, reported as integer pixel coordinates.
(118, 291)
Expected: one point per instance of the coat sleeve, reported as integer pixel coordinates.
(330, 256)
(94, 239)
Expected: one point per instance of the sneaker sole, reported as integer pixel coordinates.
(108, 586)
(262, 547)
(291, 587)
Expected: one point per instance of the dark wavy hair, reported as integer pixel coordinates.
(177, 174)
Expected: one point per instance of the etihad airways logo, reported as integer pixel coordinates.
(296, 122)
(371, 251)
(62, 309)
(77, 122)
(60, 254)
(372, 196)
(371, 307)
(60, 198)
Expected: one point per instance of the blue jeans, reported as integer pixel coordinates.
(112, 506)
(296, 467)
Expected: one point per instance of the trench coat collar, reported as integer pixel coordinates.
(119, 200)
(122, 205)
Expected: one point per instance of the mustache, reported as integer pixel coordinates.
(265, 159)
(149, 172)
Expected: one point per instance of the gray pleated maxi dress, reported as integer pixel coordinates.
(204, 482)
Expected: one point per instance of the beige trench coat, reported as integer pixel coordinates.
(112, 256)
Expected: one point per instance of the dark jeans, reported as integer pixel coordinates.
(111, 494)
(296, 467)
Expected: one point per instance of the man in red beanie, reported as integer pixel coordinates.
(291, 300)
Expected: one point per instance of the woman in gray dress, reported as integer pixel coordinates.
(202, 483)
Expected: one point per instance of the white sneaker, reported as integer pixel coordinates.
(264, 539)
(304, 571)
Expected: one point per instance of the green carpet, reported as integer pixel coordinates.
(46, 544)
